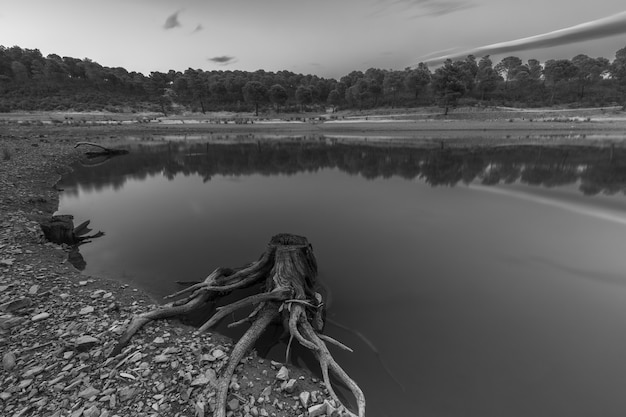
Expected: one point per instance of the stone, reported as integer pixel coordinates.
(92, 411)
(86, 310)
(304, 398)
(84, 343)
(8, 321)
(233, 405)
(88, 393)
(325, 408)
(8, 361)
(200, 380)
(289, 386)
(33, 371)
(24, 383)
(15, 305)
(218, 353)
(40, 316)
(158, 340)
(283, 374)
(127, 393)
(161, 358)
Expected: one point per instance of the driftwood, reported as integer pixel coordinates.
(60, 229)
(288, 271)
(104, 150)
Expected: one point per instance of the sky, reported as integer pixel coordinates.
(329, 38)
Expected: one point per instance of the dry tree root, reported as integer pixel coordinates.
(288, 271)
(104, 150)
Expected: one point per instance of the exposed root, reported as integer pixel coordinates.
(268, 314)
(287, 271)
(327, 362)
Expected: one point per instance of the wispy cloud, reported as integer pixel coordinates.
(198, 28)
(595, 29)
(420, 8)
(223, 60)
(172, 21)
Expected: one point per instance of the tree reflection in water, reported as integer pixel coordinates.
(597, 169)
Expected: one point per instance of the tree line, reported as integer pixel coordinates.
(30, 81)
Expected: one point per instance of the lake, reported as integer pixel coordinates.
(469, 281)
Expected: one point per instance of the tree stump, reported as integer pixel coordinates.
(288, 272)
(60, 229)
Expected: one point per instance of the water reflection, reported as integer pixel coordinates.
(596, 169)
(485, 278)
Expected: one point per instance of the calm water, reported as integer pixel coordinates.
(490, 282)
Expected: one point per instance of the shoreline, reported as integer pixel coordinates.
(59, 324)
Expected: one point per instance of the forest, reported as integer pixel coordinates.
(29, 81)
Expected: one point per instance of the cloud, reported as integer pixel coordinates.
(223, 60)
(595, 29)
(421, 8)
(172, 21)
(198, 28)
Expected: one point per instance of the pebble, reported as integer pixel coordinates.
(304, 398)
(200, 380)
(127, 393)
(86, 310)
(84, 343)
(283, 374)
(233, 405)
(33, 372)
(88, 393)
(92, 411)
(40, 316)
(161, 358)
(325, 408)
(218, 354)
(289, 386)
(8, 361)
(15, 305)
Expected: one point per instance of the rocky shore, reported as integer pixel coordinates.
(58, 326)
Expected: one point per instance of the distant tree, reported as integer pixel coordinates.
(375, 89)
(334, 99)
(219, 91)
(304, 96)
(487, 78)
(394, 84)
(417, 79)
(449, 83)
(558, 71)
(589, 71)
(19, 71)
(535, 70)
(278, 96)
(352, 78)
(618, 67)
(254, 92)
(508, 68)
(159, 88)
(469, 67)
